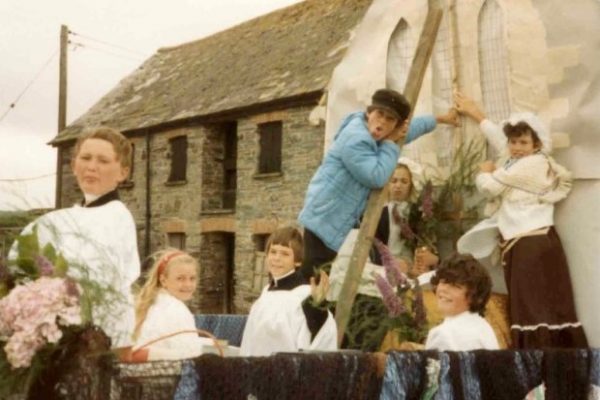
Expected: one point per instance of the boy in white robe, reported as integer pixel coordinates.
(289, 315)
(99, 235)
(462, 287)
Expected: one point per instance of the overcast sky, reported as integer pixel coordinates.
(110, 39)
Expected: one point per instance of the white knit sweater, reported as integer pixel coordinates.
(527, 189)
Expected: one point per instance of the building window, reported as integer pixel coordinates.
(176, 240)
(260, 275)
(270, 147)
(178, 159)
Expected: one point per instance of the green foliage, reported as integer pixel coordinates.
(15, 219)
(29, 249)
(453, 197)
(60, 266)
(411, 325)
(366, 329)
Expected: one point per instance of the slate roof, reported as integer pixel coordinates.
(288, 53)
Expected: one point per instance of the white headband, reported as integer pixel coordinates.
(416, 174)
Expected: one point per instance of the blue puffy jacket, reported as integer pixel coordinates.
(337, 194)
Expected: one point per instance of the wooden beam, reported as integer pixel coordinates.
(378, 196)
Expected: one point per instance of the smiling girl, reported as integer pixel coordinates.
(160, 309)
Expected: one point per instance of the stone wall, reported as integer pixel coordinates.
(175, 201)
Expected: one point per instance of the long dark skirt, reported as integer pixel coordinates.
(541, 308)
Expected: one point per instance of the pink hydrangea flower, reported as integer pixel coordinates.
(31, 316)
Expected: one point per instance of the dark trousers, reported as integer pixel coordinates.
(315, 254)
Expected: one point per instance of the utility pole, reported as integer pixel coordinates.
(62, 108)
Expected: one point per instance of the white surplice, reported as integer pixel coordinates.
(101, 240)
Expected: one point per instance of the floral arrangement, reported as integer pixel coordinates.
(40, 309)
(403, 299)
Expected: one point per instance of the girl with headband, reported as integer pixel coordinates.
(160, 310)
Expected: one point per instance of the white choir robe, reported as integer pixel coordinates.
(165, 316)
(103, 241)
(276, 323)
(463, 332)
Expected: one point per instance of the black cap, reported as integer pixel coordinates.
(391, 101)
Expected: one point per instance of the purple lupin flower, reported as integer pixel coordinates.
(44, 265)
(393, 273)
(427, 202)
(390, 300)
(406, 231)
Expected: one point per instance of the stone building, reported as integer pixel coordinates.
(223, 146)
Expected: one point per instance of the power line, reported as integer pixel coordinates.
(14, 103)
(34, 178)
(108, 44)
(87, 46)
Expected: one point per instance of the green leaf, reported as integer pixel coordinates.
(29, 246)
(27, 267)
(49, 252)
(60, 266)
